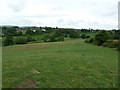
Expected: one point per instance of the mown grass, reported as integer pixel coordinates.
(68, 64)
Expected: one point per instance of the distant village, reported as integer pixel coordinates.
(45, 29)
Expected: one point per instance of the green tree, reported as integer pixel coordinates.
(8, 41)
(74, 35)
(20, 40)
(10, 31)
(60, 38)
(87, 36)
(101, 37)
(29, 38)
(29, 32)
(38, 32)
(83, 36)
(46, 37)
(52, 39)
(20, 33)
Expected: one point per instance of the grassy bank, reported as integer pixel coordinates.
(68, 64)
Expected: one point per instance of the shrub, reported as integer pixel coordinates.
(52, 39)
(29, 38)
(65, 35)
(116, 43)
(8, 41)
(83, 36)
(108, 44)
(87, 36)
(20, 33)
(89, 40)
(20, 40)
(29, 32)
(111, 44)
(74, 35)
(101, 37)
(60, 38)
(46, 38)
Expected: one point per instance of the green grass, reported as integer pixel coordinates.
(68, 64)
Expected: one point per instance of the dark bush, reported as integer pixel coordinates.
(20, 40)
(108, 44)
(52, 39)
(111, 44)
(65, 35)
(74, 35)
(46, 38)
(87, 36)
(8, 41)
(20, 33)
(29, 32)
(89, 40)
(83, 36)
(29, 38)
(9, 31)
(60, 38)
(101, 37)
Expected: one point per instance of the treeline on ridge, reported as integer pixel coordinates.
(22, 35)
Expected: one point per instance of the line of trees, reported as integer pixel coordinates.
(9, 40)
(57, 34)
(17, 31)
(103, 38)
(55, 37)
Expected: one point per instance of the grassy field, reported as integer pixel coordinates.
(68, 64)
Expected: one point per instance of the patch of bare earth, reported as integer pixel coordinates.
(18, 67)
(35, 71)
(28, 84)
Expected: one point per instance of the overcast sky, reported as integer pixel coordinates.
(96, 14)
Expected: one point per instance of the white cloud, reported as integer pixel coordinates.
(62, 13)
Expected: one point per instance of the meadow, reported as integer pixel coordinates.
(68, 64)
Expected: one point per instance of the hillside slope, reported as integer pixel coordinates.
(68, 64)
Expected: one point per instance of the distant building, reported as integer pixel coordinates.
(34, 30)
(43, 30)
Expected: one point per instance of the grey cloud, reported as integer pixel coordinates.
(17, 5)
